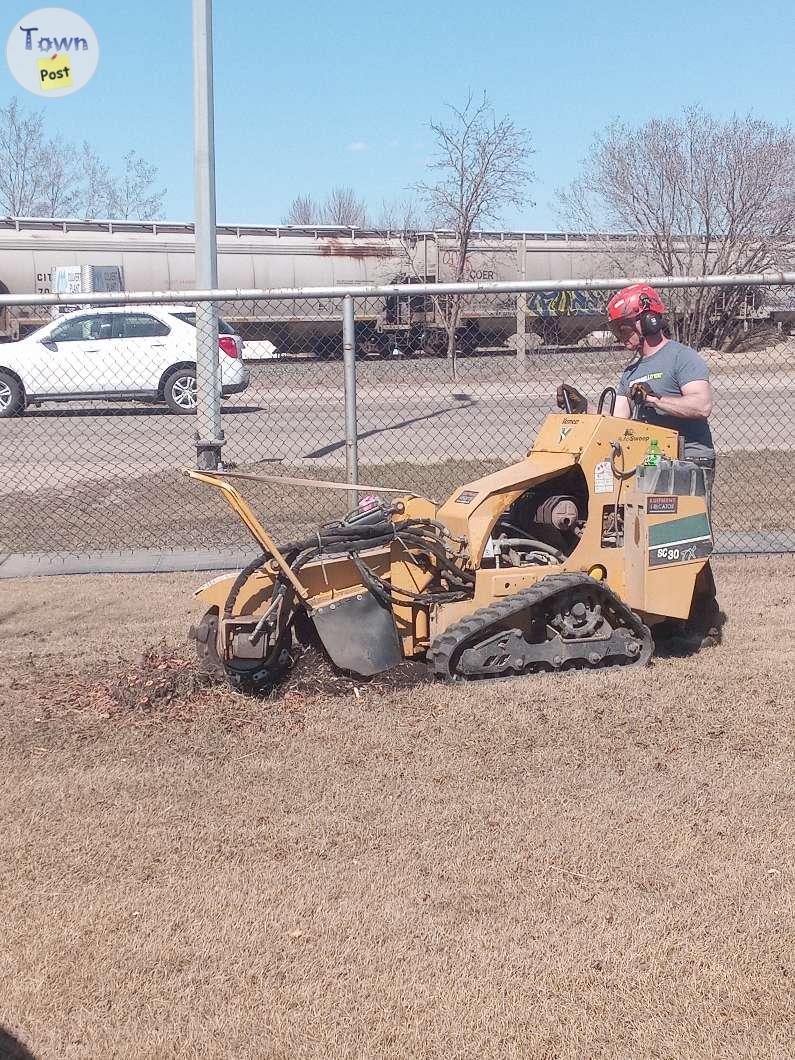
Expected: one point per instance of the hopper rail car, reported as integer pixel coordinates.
(159, 256)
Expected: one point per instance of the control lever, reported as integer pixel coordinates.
(609, 391)
(571, 400)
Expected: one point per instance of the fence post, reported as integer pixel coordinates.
(351, 424)
(209, 436)
(521, 312)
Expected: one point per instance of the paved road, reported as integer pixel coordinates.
(295, 414)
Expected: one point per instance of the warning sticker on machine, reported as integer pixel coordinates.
(603, 477)
(466, 497)
(662, 505)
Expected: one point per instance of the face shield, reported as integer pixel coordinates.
(623, 329)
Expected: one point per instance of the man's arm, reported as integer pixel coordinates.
(694, 404)
(623, 408)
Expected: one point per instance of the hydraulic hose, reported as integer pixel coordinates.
(424, 541)
(621, 475)
(531, 544)
(241, 580)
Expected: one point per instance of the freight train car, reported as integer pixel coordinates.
(160, 256)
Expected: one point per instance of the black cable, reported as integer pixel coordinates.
(386, 592)
(241, 579)
(622, 475)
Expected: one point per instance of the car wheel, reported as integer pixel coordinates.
(12, 396)
(179, 391)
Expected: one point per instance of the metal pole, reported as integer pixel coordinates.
(351, 425)
(521, 312)
(209, 436)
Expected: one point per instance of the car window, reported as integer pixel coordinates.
(190, 318)
(138, 326)
(81, 329)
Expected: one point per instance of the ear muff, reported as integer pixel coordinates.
(650, 323)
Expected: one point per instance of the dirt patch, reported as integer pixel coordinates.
(312, 676)
(161, 679)
(166, 682)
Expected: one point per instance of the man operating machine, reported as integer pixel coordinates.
(666, 381)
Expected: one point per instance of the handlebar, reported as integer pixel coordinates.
(609, 391)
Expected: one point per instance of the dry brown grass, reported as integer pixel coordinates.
(590, 865)
(168, 510)
(164, 510)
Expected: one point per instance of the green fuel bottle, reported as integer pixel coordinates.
(653, 454)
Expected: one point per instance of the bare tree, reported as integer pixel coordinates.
(97, 183)
(344, 207)
(481, 166)
(694, 195)
(402, 214)
(43, 177)
(133, 192)
(303, 211)
(21, 146)
(60, 190)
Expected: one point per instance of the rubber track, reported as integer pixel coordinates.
(443, 647)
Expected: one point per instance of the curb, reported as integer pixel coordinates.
(132, 561)
(153, 561)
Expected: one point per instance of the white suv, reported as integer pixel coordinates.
(142, 352)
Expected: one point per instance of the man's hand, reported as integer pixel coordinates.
(577, 401)
(642, 394)
(695, 401)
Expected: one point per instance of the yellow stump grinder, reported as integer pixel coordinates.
(569, 559)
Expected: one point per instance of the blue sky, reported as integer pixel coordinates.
(309, 96)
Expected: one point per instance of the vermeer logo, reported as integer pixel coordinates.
(52, 52)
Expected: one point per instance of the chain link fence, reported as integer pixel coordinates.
(97, 410)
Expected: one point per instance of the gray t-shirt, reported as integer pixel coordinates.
(666, 372)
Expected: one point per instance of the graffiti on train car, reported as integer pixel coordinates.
(565, 303)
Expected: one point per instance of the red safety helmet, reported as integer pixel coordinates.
(630, 302)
